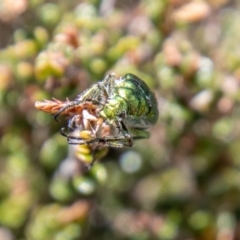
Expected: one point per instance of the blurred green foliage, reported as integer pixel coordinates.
(182, 183)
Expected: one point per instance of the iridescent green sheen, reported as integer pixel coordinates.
(133, 100)
(126, 103)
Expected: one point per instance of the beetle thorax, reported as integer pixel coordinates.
(114, 108)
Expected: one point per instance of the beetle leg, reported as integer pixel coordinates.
(70, 104)
(123, 129)
(89, 166)
(109, 141)
(71, 123)
(103, 94)
(63, 133)
(110, 79)
(139, 133)
(72, 139)
(124, 140)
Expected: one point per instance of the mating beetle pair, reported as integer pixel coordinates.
(125, 103)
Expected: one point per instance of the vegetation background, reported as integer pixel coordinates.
(183, 182)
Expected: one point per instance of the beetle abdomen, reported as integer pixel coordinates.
(141, 101)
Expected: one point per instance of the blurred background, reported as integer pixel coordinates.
(183, 182)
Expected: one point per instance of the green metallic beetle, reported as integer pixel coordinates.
(127, 103)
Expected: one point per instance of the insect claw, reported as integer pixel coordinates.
(55, 116)
(63, 133)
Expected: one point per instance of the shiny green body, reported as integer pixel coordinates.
(132, 101)
(126, 103)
